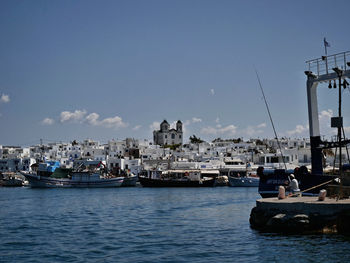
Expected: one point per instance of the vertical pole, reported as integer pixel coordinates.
(314, 127)
(346, 147)
(339, 140)
(325, 51)
(344, 62)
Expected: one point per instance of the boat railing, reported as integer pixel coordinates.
(325, 64)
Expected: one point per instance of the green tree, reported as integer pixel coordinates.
(195, 139)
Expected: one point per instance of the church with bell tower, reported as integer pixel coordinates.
(166, 136)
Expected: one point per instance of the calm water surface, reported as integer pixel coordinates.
(147, 225)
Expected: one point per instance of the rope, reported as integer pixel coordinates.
(306, 190)
(346, 146)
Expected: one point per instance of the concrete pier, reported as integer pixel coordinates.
(301, 215)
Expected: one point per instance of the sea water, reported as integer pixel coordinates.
(148, 225)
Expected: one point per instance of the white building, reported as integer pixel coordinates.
(16, 164)
(167, 136)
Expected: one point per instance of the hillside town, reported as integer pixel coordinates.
(167, 150)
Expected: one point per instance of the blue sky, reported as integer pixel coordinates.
(115, 69)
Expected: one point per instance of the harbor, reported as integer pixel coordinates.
(174, 131)
(162, 224)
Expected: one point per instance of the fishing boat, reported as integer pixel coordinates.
(328, 69)
(130, 180)
(52, 176)
(240, 176)
(10, 180)
(77, 179)
(243, 181)
(175, 178)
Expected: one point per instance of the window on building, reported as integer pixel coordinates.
(274, 159)
(172, 136)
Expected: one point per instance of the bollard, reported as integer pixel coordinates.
(322, 195)
(281, 192)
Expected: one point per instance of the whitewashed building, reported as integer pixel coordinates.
(167, 136)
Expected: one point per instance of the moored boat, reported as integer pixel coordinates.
(175, 178)
(10, 180)
(243, 181)
(77, 179)
(55, 177)
(130, 180)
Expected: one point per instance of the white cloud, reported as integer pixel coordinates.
(212, 92)
(325, 115)
(114, 122)
(324, 122)
(195, 120)
(5, 98)
(173, 125)
(250, 130)
(76, 116)
(187, 122)
(229, 130)
(209, 130)
(155, 126)
(253, 130)
(299, 130)
(261, 125)
(47, 121)
(136, 128)
(92, 119)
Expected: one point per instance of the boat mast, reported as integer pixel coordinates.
(273, 126)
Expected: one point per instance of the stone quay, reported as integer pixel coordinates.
(301, 215)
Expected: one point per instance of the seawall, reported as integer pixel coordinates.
(301, 215)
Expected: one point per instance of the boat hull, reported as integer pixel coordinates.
(243, 181)
(130, 181)
(47, 182)
(13, 182)
(269, 183)
(149, 182)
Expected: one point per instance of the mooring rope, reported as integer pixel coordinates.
(306, 190)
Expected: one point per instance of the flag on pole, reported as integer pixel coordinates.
(326, 44)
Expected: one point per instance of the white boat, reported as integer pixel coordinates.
(51, 175)
(77, 179)
(244, 181)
